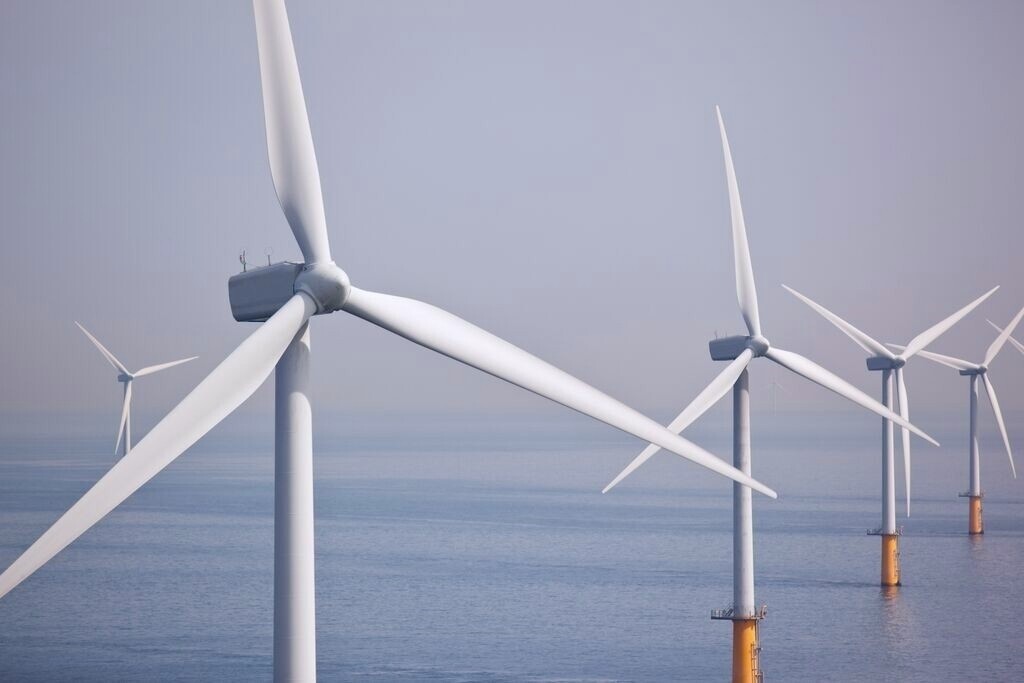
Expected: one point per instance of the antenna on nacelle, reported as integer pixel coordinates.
(241, 259)
(267, 252)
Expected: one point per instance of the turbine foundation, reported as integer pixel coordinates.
(746, 644)
(891, 575)
(891, 559)
(975, 525)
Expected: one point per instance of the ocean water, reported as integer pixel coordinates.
(474, 550)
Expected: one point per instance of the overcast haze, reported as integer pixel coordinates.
(550, 171)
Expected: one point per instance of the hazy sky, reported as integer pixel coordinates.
(548, 170)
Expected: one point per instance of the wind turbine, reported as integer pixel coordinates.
(891, 367)
(741, 350)
(124, 431)
(286, 296)
(978, 372)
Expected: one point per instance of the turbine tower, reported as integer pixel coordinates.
(891, 366)
(740, 351)
(978, 372)
(124, 431)
(284, 297)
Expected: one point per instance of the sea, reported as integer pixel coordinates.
(478, 548)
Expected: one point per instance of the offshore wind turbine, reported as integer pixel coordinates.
(284, 297)
(891, 366)
(740, 351)
(124, 430)
(978, 372)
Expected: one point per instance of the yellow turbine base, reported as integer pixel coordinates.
(890, 560)
(976, 524)
(745, 651)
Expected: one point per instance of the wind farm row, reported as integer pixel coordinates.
(282, 298)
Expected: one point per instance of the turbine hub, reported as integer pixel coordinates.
(758, 344)
(899, 362)
(325, 283)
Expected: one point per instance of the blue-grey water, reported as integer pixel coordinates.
(483, 551)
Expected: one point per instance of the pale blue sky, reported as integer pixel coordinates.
(548, 170)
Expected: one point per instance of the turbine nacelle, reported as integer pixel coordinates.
(980, 370)
(876, 363)
(729, 348)
(258, 293)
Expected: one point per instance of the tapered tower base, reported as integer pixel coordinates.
(746, 645)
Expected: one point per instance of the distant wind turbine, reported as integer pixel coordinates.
(284, 297)
(978, 371)
(124, 430)
(891, 367)
(740, 351)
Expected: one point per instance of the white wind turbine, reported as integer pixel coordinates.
(286, 296)
(124, 431)
(741, 350)
(891, 366)
(979, 372)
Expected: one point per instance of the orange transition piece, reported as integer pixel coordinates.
(976, 524)
(890, 560)
(745, 667)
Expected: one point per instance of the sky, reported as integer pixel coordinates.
(548, 170)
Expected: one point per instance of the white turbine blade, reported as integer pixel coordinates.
(452, 336)
(125, 407)
(997, 345)
(948, 361)
(223, 390)
(746, 292)
(859, 338)
(705, 399)
(163, 366)
(289, 140)
(991, 390)
(103, 350)
(932, 333)
(901, 389)
(810, 370)
(1016, 344)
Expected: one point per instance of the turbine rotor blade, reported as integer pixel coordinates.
(452, 336)
(810, 370)
(125, 407)
(103, 350)
(223, 390)
(163, 366)
(289, 140)
(991, 391)
(997, 345)
(746, 292)
(901, 390)
(948, 361)
(705, 399)
(932, 333)
(859, 338)
(1016, 344)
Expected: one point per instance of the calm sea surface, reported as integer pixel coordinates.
(475, 551)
